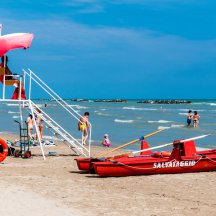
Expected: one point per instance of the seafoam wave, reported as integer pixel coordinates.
(123, 121)
(150, 109)
(176, 126)
(163, 127)
(15, 117)
(184, 110)
(11, 112)
(212, 104)
(102, 114)
(184, 114)
(160, 121)
(132, 108)
(138, 108)
(78, 107)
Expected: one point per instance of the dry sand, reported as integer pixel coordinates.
(56, 187)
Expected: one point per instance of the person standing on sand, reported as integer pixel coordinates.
(83, 126)
(30, 125)
(195, 119)
(189, 118)
(39, 123)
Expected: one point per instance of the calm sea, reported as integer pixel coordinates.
(127, 121)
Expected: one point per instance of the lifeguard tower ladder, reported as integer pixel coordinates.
(27, 79)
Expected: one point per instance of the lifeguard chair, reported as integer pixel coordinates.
(21, 82)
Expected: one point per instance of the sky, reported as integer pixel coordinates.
(129, 49)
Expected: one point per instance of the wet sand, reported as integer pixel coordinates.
(56, 187)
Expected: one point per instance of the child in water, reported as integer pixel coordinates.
(106, 141)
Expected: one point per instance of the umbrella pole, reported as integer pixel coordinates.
(0, 29)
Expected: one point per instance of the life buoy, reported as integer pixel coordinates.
(162, 154)
(4, 152)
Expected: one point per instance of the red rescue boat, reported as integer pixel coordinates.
(86, 164)
(147, 159)
(183, 159)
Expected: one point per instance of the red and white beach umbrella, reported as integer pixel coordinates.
(14, 41)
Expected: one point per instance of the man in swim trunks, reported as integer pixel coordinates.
(189, 117)
(83, 126)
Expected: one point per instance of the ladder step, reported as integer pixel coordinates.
(54, 128)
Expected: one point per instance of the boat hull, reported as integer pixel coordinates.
(85, 164)
(139, 166)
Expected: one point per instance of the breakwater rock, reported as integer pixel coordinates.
(111, 100)
(80, 100)
(165, 101)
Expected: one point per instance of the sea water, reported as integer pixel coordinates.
(126, 121)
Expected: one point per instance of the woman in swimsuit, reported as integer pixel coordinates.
(196, 119)
(39, 123)
(30, 125)
(83, 126)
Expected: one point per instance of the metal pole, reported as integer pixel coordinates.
(20, 90)
(30, 79)
(0, 29)
(3, 88)
(37, 130)
(20, 111)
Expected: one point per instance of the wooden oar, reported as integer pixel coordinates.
(129, 143)
(160, 146)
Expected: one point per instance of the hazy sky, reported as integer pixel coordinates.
(117, 48)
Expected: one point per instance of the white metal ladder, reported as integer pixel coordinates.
(75, 144)
(71, 141)
(67, 138)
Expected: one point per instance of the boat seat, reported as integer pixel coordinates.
(8, 79)
(189, 148)
(11, 82)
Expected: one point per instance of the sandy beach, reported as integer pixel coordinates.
(56, 187)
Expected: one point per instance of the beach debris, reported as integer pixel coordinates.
(52, 153)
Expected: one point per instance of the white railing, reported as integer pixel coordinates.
(67, 137)
(72, 112)
(70, 140)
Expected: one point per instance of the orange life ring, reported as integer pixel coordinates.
(162, 154)
(4, 152)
